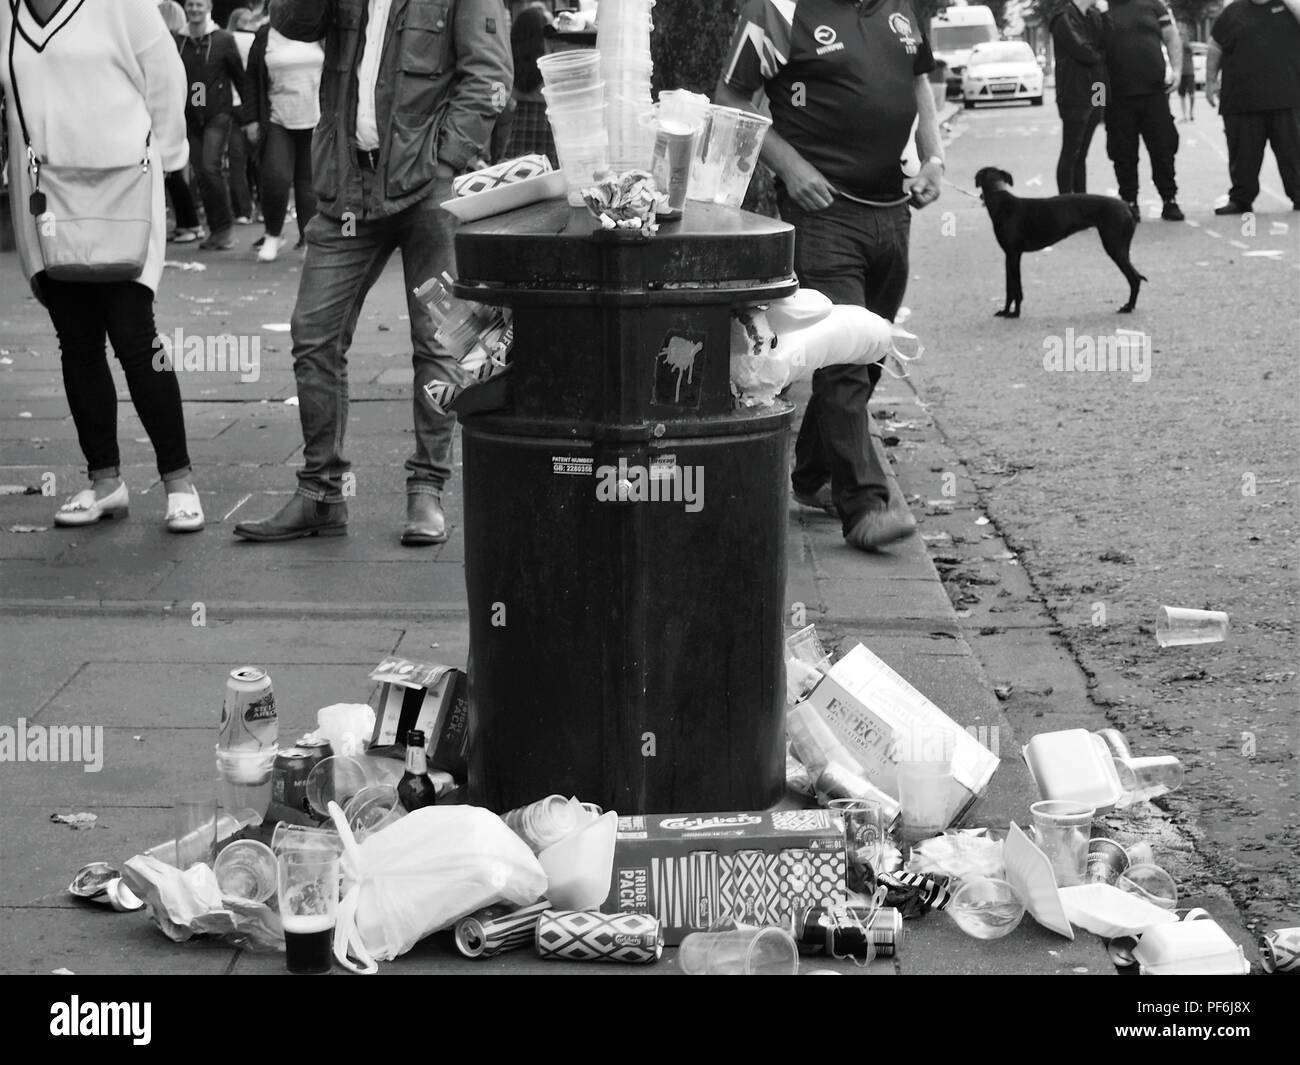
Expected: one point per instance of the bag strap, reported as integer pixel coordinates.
(346, 936)
(32, 161)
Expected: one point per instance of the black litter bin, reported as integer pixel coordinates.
(625, 522)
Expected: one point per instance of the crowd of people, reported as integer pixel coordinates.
(360, 119)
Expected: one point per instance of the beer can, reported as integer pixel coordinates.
(248, 717)
(577, 935)
(496, 929)
(844, 931)
(289, 778)
(1279, 950)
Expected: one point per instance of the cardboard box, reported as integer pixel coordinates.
(432, 698)
(883, 720)
(690, 869)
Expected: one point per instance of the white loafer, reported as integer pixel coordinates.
(84, 509)
(184, 512)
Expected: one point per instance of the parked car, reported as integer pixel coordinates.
(954, 32)
(1002, 70)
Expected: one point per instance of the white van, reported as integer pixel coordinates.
(954, 32)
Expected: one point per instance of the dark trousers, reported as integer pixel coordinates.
(207, 148)
(1078, 124)
(1148, 117)
(84, 314)
(178, 188)
(1247, 133)
(242, 177)
(857, 255)
(286, 161)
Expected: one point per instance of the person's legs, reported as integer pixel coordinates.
(76, 312)
(1122, 145)
(155, 392)
(1246, 135)
(425, 236)
(277, 169)
(1073, 122)
(304, 196)
(336, 275)
(1160, 136)
(237, 156)
(1283, 129)
(1081, 159)
(178, 188)
(216, 198)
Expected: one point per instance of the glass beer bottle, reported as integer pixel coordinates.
(415, 789)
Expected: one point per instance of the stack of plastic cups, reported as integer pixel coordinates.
(575, 106)
(623, 40)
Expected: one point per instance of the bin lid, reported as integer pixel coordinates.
(552, 248)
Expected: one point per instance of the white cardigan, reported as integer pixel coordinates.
(94, 82)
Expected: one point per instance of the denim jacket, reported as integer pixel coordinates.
(444, 77)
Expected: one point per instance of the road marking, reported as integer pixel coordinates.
(1239, 244)
(1211, 233)
(1271, 253)
(1194, 225)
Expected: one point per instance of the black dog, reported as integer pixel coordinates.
(1031, 225)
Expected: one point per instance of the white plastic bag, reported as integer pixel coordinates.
(795, 336)
(423, 873)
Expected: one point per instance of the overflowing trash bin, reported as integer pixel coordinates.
(625, 523)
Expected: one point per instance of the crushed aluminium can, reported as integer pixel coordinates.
(1279, 950)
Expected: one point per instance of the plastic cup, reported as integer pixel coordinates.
(245, 777)
(338, 779)
(246, 869)
(1115, 742)
(735, 141)
(864, 834)
(1062, 829)
(583, 98)
(923, 790)
(1106, 862)
(308, 890)
(582, 158)
(1150, 882)
(374, 807)
(570, 69)
(194, 822)
(324, 841)
(587, 122)
(986, 908)
(1179, 626)
(1148, 778)
(740, 952)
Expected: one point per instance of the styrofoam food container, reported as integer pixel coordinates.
(1073, 764)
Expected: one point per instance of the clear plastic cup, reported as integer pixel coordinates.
(338, 779)
(374, 807)
(740, 952)
(1150, 882)
(735, 140)
(580, 99)
(571, 69)
(1148, 778)
(583, 159)
(1179, 626)
(324, 840)
(246, 869)
(245, 777)
(195, 831)
(923, 790)
(1062, 829)
(585, 122)
(986, 908)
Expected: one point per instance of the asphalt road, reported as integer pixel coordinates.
(1123, 491)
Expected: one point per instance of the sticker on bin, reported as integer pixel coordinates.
(573, 465)
(677, 378)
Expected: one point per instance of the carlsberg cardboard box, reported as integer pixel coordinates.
(883, 720)
(760, 867)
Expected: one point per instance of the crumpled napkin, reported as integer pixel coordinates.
(190, 903)
(626, 201)
(960, 854)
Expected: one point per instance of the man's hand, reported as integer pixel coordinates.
(443, 171)
(253, 132)
(925, 189)
(806, 185)
(1211, 93)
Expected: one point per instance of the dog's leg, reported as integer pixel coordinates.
(1014, 293)
(1117, 247)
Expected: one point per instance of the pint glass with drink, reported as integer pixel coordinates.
(309, 902)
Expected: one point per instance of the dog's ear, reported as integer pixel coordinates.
(980, 175)
(1006, 177)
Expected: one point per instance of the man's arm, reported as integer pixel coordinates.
(804, 182)
(929, 144)
(1212, 59)
(481, 88)
(303, 20)
(1174, 46)
(1294, 7)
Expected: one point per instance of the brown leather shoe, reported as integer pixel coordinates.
(297, 518)
(425, 523)
(879, 526)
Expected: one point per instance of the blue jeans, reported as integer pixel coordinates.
(344, 260)
(207, 146)
(857, 255)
